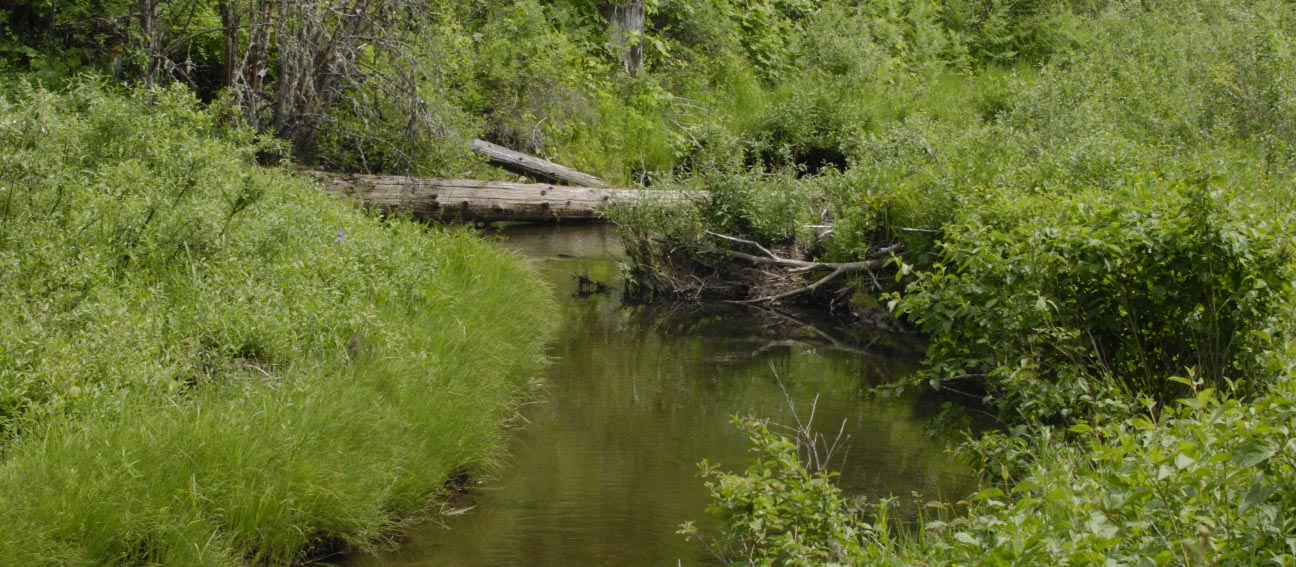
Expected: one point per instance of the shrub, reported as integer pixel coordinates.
(777, 512)
(1066, 301)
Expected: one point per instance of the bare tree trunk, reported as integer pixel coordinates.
(230, 24)
(153, 40)
(255, 61)
(627, 26)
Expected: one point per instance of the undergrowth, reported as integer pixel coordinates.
(1098, 245)
(205, 362)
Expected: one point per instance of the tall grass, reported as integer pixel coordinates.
(208, 363)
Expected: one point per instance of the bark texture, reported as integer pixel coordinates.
(455, 199)
(532, 166)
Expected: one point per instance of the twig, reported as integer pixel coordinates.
(747, 242)
(801, 266)
(805, 431)
(811, 287)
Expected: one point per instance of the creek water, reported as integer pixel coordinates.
(605, 467)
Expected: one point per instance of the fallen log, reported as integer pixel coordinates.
(532, 166)
(487, 201)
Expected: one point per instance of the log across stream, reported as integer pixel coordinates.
(489, 201)
(604, 467)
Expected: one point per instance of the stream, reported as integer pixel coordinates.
(604, 468)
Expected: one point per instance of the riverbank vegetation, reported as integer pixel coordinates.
(206, 362)
(1098, 243)
(1085, 205)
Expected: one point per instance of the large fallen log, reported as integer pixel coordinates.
(532, 166)
(454, 199)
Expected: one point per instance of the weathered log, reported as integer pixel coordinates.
(454, 199)
(532, 166)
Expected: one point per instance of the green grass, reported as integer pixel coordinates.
(204, 362)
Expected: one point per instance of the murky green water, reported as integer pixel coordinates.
(606, 468)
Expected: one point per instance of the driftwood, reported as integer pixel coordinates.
(452, 199)
(877, 259)
(532, 166)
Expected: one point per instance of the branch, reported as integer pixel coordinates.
(811, 287)
(747, 242)
(802, 266)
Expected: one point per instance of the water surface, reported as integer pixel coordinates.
(605, 468)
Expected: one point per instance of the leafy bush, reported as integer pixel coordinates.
(1205, 480)
(777, 512)
(1071, 301)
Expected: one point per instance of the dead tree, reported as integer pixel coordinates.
(305, 58)
(626, 23)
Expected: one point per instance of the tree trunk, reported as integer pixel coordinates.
(627, 25)
(152, 40)
(538, 168)
(450, 199)
(256, 62)
(230, 25)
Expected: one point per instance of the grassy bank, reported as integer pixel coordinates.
(204, 362)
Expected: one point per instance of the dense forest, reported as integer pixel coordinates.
(1087, 207)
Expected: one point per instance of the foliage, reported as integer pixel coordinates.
(1098, 213)
(204, 362)
(778, 512)
(771, 209)
(1204, 481)
(1094, 198)
(1065, 303)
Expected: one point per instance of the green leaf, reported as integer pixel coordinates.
(1258, 493)
(1253, 453)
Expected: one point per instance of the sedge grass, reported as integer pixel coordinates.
(203, 362)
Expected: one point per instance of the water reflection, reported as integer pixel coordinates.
(606, 468)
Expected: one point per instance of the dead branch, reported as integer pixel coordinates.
(876, 259)
(787, 294)
(802, 266)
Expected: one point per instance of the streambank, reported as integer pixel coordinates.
(605, 469)
(208, 363)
